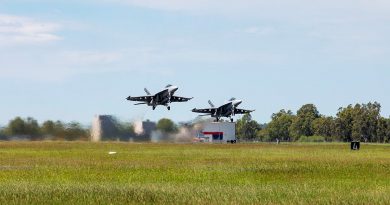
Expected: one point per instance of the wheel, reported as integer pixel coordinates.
(154, 107)
(231, 120)
(169, 108)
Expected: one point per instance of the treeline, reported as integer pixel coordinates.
(30, 129)
(361, 122)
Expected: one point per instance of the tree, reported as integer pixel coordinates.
(343, 123)
(372, 116)
(28, 127)
(166, 126)
(302, 124)
(48, 128)
(60, 132)
(74, 131)
(324, 126)
(359, 122)
(16, 126)
(382, 128)
(247, 128)
(3, 135)
(32, 128)
(126, 131)
(263, 135)
(388, 130)
(279, 125)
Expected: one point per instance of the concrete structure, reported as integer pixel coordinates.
(104, 127)
(146, 131)
(219, 132)
(107, 128)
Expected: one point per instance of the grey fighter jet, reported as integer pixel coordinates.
(228, 109)
(164, 97)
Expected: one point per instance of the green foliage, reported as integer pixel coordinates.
(263, 135)
(48, 128)
(359, 122)
(311, 139)
(74, 131)
(247, 128)
(16, 126)
(279, 127)
(302, 124)
(19, 126)
(324, 126)
(166, 126)
(126, 130)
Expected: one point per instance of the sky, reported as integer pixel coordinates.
(73, 59)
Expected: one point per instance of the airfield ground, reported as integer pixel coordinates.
(84, 173)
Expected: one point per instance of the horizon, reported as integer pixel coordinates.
(72, 60)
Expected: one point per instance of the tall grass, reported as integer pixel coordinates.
(84, 173)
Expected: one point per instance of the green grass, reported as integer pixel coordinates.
(84, 173)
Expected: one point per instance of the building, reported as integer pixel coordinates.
(104, 127)
(144, 131)
(107, 128)
(219, 132)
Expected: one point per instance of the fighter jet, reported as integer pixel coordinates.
(228, 109)
(164, 97)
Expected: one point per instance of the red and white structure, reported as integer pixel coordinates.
(219, 132)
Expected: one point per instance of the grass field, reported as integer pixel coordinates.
(84, 173)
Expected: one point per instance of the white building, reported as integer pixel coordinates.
(219, 132)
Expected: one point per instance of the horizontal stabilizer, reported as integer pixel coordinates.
(140, 104)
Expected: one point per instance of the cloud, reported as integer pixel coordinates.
(24, 30)
(52, 64)
(57, 64)
(264, 8)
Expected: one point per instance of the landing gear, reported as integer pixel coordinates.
(169, 108)
(231, 120)
(154, 107)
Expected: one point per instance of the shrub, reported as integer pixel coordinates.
(311, 139)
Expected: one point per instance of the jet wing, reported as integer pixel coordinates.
(140, 99)
(205, 111)
(179, 99)
(242, 111)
